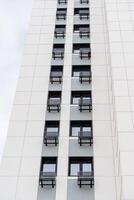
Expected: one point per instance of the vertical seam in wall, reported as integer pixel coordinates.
(110, 98)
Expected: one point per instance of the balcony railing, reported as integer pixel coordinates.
(84, 53)
(47, 179)
(58, 54)
(84, 32)
(62, 1)
(85, 179)
(59, 33)
(85, 76)
(85, 104)
(53, 105)
(84, 1)
(51, 138)
(84, 14)
(56, 77)
(85, 137)
(61, 15)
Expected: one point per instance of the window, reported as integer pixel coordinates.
(80, 164)
(56, 74)
(51, 131)
(77, 47)
(77, 69)
(61, 13)
(49, 164)
(54, 101)
(84, 1)
(78, 95)
(83, 30)
(80, 126)
(59, 31)
(51, 127)
(48, 171)
(83, 13)
(58, 51)
(62, 1)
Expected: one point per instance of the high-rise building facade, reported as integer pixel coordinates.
(71, 130)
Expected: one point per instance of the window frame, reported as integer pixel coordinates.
(80, 161)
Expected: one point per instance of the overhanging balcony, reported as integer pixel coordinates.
(62, 1)
(56, 77)
(85, 104)
(59, 33)
(85, 137)
(84, 53)
(85, 179)
(53, 105)
(85, 76)
(61, 14)
(51, 138)
(47, 179)
(58, 54)
(84, 14)
(84, 32)
(84, 1)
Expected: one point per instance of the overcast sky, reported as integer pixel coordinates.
(14, 18)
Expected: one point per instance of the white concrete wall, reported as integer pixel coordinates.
(120, 20)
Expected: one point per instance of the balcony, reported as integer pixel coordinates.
(84, 53)
(85, 77)
(85, 104)
(85, 137)
(84, 14)
(58, 54)
(59, 33)
(84, 32)
(61, 14)
(51, 138)
(81, 15)
(47, 179)
(53, 105)
(62, 1)
(56, 77)
(85, 179)
(84, 1)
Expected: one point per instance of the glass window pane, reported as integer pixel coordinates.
(76, 74)
(49, 167)
(87, 167)
(75, 100)
(74, 169)
(86, 129)
(75, 131)
(52, 129)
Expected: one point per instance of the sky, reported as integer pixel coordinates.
(14, 19)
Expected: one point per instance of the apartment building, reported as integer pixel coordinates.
(71, 130)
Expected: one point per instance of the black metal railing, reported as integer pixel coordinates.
(84, 32)
(47, 179)
(51, 138)
(85, 179)
(58, 54)
(84, 14)
(85, 137)
(59, 33)
(85, 53)
(56, 77)
(85, 104)
(85, 76)
(62, 1)
(61, 15)
(84, 1)
(53, 105)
